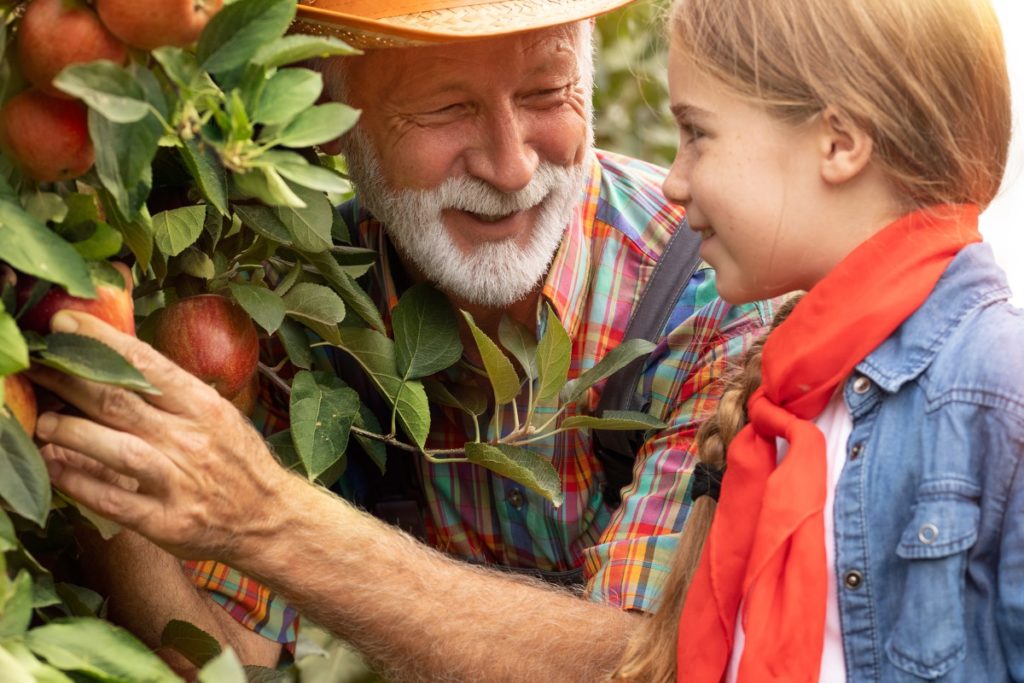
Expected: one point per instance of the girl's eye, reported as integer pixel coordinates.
(691, 133)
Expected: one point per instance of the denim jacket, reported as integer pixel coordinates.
(929, 509)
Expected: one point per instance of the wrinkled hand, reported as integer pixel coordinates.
(183, 467)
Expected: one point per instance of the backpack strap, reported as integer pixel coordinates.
(616, 450)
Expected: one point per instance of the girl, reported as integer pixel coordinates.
(871, 519)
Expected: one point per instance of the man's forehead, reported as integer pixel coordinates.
(540, 51)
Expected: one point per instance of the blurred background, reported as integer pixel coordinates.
(631, 105)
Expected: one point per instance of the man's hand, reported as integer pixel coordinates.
(192, 474)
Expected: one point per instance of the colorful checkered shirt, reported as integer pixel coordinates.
(608, 254)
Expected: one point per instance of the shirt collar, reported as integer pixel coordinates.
(971, 281)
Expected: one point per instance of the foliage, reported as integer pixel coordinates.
(630, 95)
(205, 180)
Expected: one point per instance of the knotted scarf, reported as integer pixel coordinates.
(766, 546)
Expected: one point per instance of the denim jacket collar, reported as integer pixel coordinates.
(971, 281)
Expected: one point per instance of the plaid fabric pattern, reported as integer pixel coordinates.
(610, 250)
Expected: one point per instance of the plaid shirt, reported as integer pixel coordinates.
(599, 272)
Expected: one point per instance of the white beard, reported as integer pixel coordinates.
(494, 274)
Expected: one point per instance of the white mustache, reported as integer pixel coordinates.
(473, 195)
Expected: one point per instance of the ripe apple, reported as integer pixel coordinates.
(246, 399)
(149, 24)
(47, 136)
(20, 399)
(213, 338)
(112, 304)
(56, 33)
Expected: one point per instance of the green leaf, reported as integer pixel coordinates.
(106, 528)
(500, 372)
(8, 540)
(90, 359)
(265, 184)
(426, 332)
(321, 414)
(224, 668)
(240, 30)
(31, 247)
(197, 264)
(295, 168)
(45, 206)
(102, 243)
(206, 168)
(616, 359)
(98, 649)
(13, 350)
(79, 600)
(466, 398)
(521, 465)
(124, 158)
(521, 343)
(286, 94)
(14, 670)
(375, 449)
(553, 355)
(264, 306)
(138, 234)
(179, 65)
(107, 88)
(15, 605)
(195, 644)
(309, 226)
(19, 656)
(177, 229)
(316, 126)
(296, 344)
(376, 354)
(24, 483)
(298, 48)
(354, 296)
(314, 303)
(614, 420)
(264, 221)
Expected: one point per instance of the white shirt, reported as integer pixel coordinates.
(836, 424)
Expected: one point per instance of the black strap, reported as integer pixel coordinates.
(616, 450)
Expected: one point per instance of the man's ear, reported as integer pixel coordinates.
(846, 147)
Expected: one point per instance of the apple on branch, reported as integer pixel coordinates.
(213, 338)
(20, 399)
(113, 303)
(47, 136)
(149, 24)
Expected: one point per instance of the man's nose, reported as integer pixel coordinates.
(503, 157)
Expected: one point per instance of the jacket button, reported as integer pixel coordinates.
(928, 533)
(861, 385)
(856, 450)
(853, 579)
(515, 498)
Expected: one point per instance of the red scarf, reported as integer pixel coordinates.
(766, 545)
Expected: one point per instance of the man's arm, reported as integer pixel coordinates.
(146, 589)
(208, 487)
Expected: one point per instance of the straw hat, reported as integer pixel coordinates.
(402, 23)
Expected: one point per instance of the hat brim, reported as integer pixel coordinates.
(460, 23)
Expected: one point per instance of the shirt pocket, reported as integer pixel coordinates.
(929, 636)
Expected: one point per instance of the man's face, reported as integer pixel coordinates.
(471, 155)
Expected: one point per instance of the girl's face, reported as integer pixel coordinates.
(752, 186)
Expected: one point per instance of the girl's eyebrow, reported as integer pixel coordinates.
(687, 112)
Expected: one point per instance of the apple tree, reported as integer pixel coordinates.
(164, 177)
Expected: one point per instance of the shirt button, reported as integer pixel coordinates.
(515, 498)
(853, 579)
(856, 450)
(861, 385)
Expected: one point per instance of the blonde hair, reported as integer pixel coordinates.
(926, 79)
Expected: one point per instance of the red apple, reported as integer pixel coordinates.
(47, 136)
(20, 399)
(149, 24)
(57, 33)
(112, 304)
(246, 399)
(213, 338)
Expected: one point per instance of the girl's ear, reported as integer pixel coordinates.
(846, 147)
